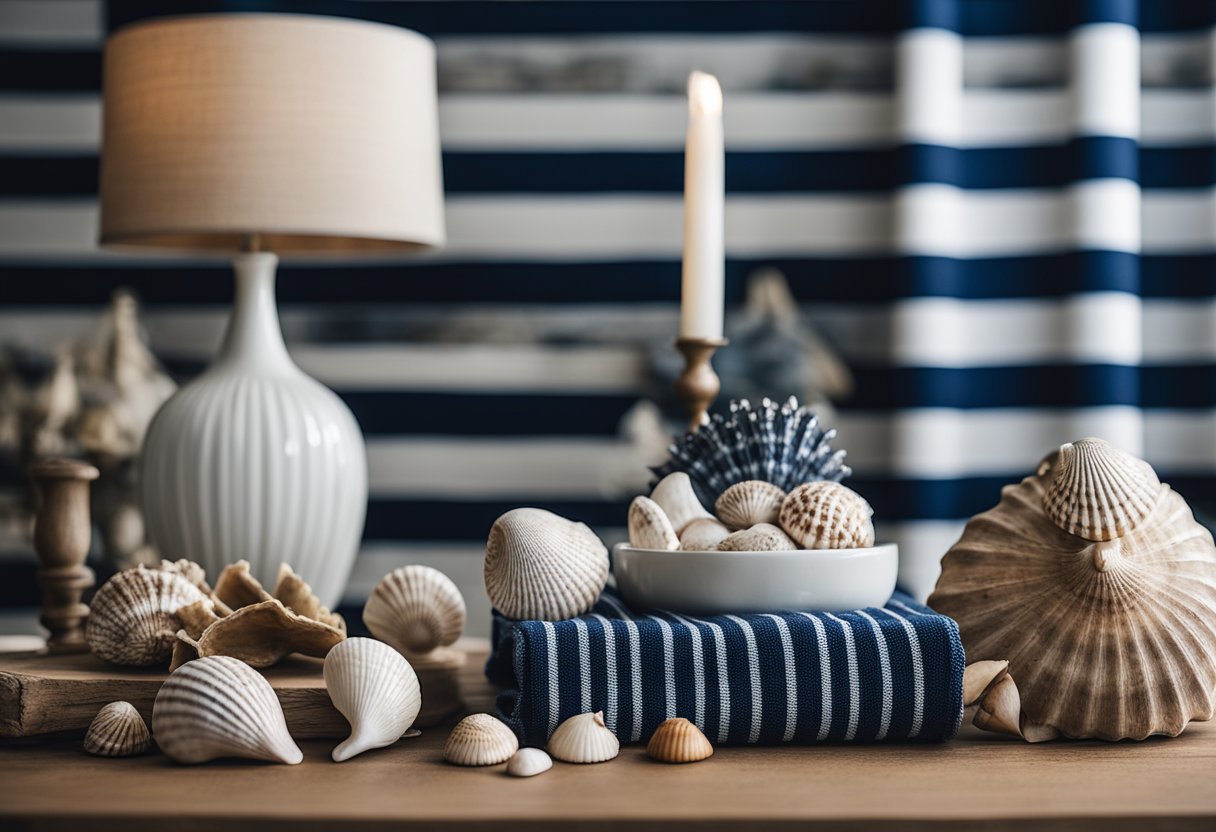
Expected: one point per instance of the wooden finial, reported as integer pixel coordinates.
(698, 385)
(62, 531)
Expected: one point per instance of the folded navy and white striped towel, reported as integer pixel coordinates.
(894, 673)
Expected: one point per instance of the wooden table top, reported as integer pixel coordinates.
(979, 779)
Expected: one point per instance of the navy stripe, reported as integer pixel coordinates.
(406, 519)
(61, 70)
(479, 415)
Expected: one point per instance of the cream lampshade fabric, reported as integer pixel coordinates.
(319, 134)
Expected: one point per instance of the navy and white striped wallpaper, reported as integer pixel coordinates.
(1000, 212)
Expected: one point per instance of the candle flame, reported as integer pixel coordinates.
(704, 94)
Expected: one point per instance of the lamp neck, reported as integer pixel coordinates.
(253, 338)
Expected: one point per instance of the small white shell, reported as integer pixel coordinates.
(529, 762)
(480, 740)
(675, 495)
(131, 618)
(117, 731)
(1100, 492)
(542, 566)
(763, 537)
(218, 706)
(747, 503)
(376, 689)
(415, 609)
(649, 527)
(703, 535)
(584, 738)
(827, 515)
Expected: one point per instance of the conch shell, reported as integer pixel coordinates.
(1108, 639)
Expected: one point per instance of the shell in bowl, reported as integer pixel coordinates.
(749, 503)
(674, 494)
(415, 609)
(827, 515)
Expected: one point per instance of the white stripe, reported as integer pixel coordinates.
(698, 671)
(791, 677)
(753, 666)
(719, 639)
(50, 124)
(669, 668)
(884, 663)
(1105, 76)
(584, 666)
(929, 85)
(918, 673)
(850, 651)
(635, 665)
(43, 25)
(825, 677)
(554, 690)
(613, 675)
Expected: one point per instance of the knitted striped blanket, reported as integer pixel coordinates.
(894, 673)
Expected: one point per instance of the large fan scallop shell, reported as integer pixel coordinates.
(415, 609)
(1100, 492)
(1105, 639)
(132, 617)
(376, 689)
(542, 566)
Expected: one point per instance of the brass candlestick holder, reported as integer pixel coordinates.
(62, 531)
(698, 385)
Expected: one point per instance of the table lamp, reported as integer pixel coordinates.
(260, 135)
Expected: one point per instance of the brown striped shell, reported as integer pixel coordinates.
(132, 618)
(678, 741)
(1105, 639)
(117, 731)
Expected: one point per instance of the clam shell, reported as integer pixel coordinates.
(117, 731)
(827, 515)
(584, 738)
(1109, 640)
(218, 706)
(529, 762)
(480, 740)
(675, 495)
(1100, 492)
(678, 741)
(748, 503)
(376, 689)
(264, 633)
(542, 566)
(415, 609)
(759, 538)
(649, 527)
(703, 535)
(132, 617)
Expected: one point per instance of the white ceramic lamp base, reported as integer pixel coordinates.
(254, 460)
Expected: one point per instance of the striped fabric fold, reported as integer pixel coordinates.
(873, 675)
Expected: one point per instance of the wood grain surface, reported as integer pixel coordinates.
(979, 780)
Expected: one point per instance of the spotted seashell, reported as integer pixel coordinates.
(649, 527)
(747, 503)
(132, 617)
(415, 609)
(480, 740)
(117, 731)
(584, 738)
(763, 537)
(675, 495)
(1100, 492)
(678, 741)
(542, 566)
(703, 535)
(827, 515)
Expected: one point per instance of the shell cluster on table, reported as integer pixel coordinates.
(1093, 586)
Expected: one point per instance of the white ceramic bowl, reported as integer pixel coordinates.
(734, 582)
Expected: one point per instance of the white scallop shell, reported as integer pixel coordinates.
(827, 515)
(376, 689)
(649, 527)
(218, 706)
(584, 738)
(762, 537)
(703, 535)
(1100, 492)
(747, 503)
(675, 495)
(542, 566)
(117, 731)
(131, 618)
(480, 740)
(415, 609)
(529, 762)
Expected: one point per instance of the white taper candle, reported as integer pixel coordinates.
(702, 298)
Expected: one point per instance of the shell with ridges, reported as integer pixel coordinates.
(132, 617)
(529, 762)
(827, 515)
(678, 741)
(218, 706)
(703, 535)
(117, 731)
(542, 566)
(675, 495)
(649, 527)
(480, 740)
(584, 738)
(1100, 492)
(748, 503)
(762, 537)
(415, 609)
(376, 689)
(1107, 640)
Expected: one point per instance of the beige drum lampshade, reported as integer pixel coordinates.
(319, 134)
